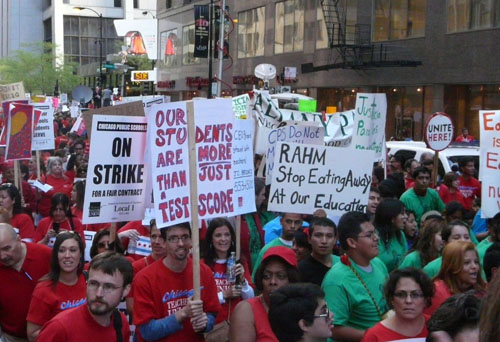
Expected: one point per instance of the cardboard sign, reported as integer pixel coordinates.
(241, 106)
(117, 172)
(43, 134)
(489, 162)
(439, 131)
(310, 177)
(244, 186)
(11, 92)
(369, 123)
(19, 132)
(290, 131)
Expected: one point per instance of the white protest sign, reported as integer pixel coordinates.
(89, 237)
(117, 171)
(310, 177)
(241, 106)
(147, 101)
(214, 143)
(338, 127)
(244, 187)
(489, 162)
(439, 131)
(74, 109)
(43, 134)
(369, 123)
(290, 131)
(64, 98)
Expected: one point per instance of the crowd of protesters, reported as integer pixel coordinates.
(420, 263)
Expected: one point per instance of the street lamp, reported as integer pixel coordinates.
(146, 13)
(100, 39)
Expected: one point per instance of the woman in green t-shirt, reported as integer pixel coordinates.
(390, 218)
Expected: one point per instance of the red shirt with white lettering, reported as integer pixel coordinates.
(48, 300)
(16, 288)
(470, 189)
(160, 292)
(78, 325)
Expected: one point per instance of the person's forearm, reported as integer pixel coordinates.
(159, 328)
(343, 333)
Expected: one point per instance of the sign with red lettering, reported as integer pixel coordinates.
(439, 131)
(489, 162)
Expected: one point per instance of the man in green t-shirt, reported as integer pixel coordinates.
(290, 223)
(354, 286)
(421, 199)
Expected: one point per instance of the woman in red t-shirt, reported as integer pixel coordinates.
(10, 199)
(460, 272)
(60, 183)
(408, 292)
(217, 247)
(63, 288)
(60, 219)
(448, 190)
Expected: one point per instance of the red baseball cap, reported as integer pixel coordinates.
(285, 253)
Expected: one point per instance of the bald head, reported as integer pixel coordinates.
(11, 248)
(7, 232)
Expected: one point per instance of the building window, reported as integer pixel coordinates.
(188, 46)
(81, 39)
(136, 3)
(169, 43)
(47, 30)
(251, 30)
(398, 19)
(289, 26)
(349, 10)
(118, 3)
(168, 4)
(465, 15)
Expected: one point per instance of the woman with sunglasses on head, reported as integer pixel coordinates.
(63, 288)
(60, 219)
(10, 199)
(460, 272)
(250, 322)
(408, 292)
(56, 178)
(390, 219)
(217, 247)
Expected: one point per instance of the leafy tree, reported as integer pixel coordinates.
(37, 68)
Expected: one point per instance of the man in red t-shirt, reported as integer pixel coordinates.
(163, 308)
(469, 186)
(21, 265)
(110, 277)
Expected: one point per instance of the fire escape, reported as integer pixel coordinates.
(353, 44)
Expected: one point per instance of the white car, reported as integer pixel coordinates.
(447, 158)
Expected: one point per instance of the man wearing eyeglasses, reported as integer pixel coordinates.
(21, 265)
(354, 286)
(110, 277)
(163, 308)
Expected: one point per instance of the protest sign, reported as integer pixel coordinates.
(19, 131)
(12, 92)
(369, 123)
(310, 177)
(290, 131)
(338, 127)
(116, 172)
(489, 162)
(244, 187)
(64, 98)
(43, 134)
(439, 131)
(308, 106)
(5, 118)
(167, 129)
(126, 109)
(89, 237)
(241, 106)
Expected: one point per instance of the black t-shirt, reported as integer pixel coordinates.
(312, 271)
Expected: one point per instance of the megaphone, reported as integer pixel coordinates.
(82, 94)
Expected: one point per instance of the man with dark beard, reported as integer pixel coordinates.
(110, 278)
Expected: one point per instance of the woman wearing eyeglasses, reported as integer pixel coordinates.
(60, 219)
(390, 219)
(250, 322)
(408, 292)
(63, 288)
(10, 199)
(217, 247)
(460, 272)
(56, 178)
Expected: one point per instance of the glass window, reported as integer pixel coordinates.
(398, 19)
(188, 46)
(136, 3)
(118, 3)
(251, 30)
(289, 26)
(464, 15)
(169, 43)
(321, 32)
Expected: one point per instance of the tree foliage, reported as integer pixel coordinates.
(36, 67)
